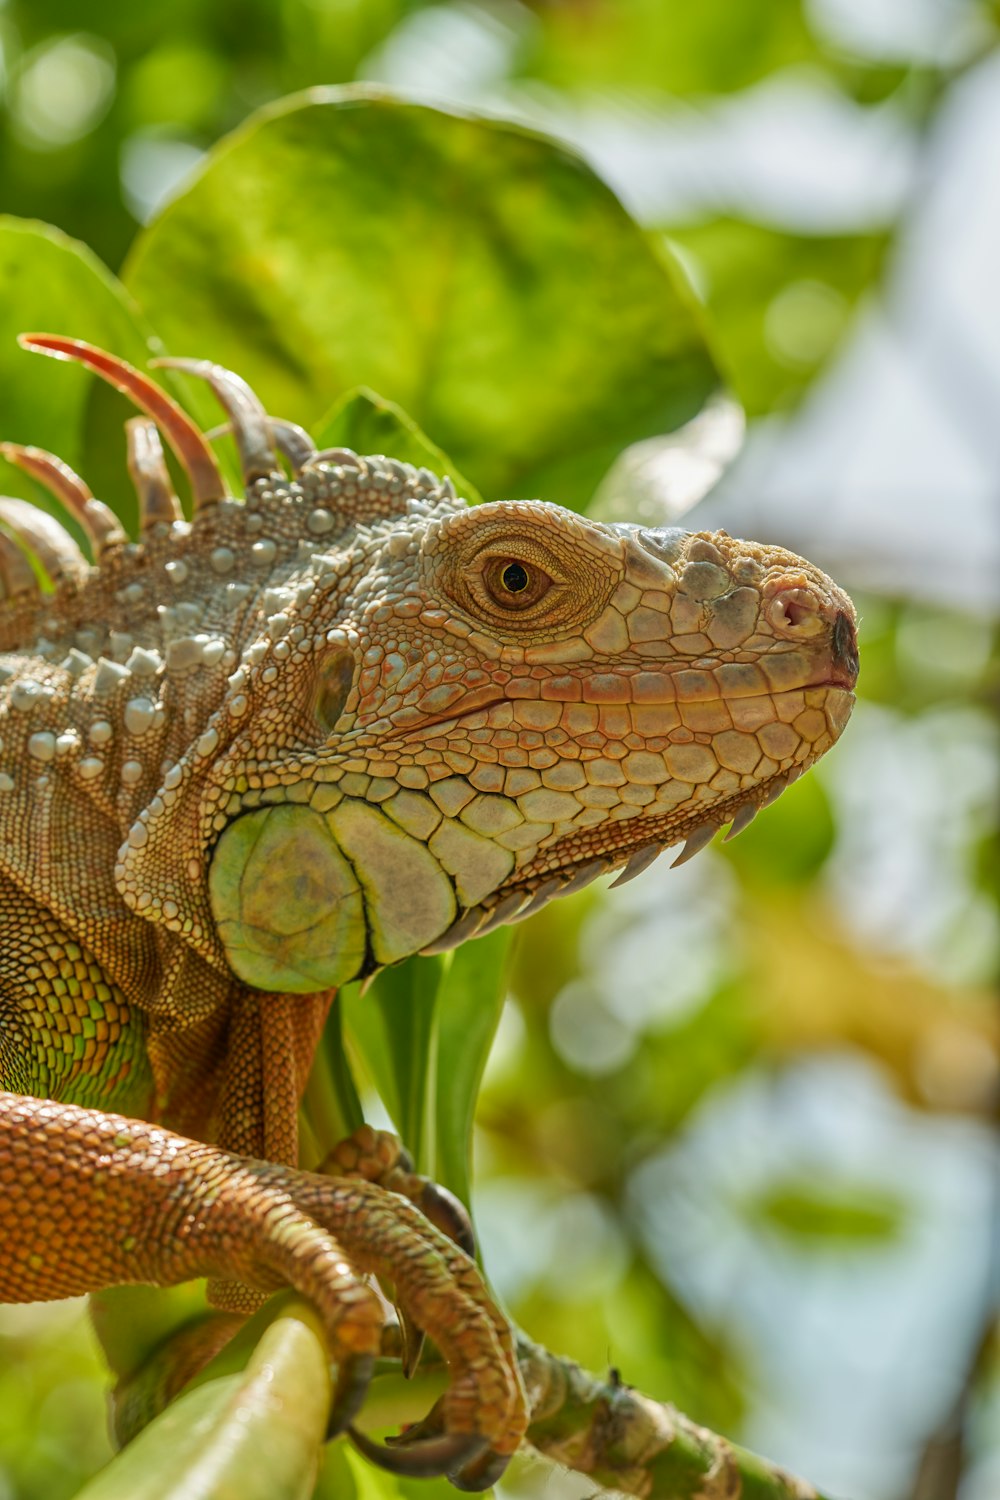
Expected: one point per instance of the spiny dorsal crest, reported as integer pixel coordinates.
(183, 585)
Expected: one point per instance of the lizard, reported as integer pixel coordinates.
(247, 758)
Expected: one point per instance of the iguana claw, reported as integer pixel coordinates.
(427, 1458)
(447, 1213)
(481, 1473)
(353, 1379)
(480, 1470)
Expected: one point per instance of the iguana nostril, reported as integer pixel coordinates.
(797, 611)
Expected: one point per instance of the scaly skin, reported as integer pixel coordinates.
(248, 759)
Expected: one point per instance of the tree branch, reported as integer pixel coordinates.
(626, 1441)
(620, 1438)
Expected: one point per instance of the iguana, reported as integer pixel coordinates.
(248, 758)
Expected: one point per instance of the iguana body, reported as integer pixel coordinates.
(250, 758)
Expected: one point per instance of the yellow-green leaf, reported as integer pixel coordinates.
(254, 1435)
(477, 273)
(366, 422)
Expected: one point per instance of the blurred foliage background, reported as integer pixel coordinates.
(738, 1131)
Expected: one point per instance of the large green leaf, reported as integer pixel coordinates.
(54, 284)
(477, 273)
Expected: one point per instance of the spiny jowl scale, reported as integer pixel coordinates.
(348, 718)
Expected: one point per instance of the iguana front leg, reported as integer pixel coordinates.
(91, 1199)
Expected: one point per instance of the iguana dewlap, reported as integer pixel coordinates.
(319, 728)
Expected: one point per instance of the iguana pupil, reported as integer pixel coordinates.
(514, 585)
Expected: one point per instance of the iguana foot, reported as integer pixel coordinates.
(378, 1156)
(479, 1422)
(427, 1448)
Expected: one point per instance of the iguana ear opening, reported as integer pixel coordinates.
(333, 687)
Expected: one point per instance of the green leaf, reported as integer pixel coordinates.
(709, 48)
(53, 284)
(469, 1005)
(392, 1026)
(790, 845)
(366, 422)
(661, 52)
(345, 1475)
(424, 1031)
(131, 1322)
(819, 1214)
(477, 273)
(255, 1435)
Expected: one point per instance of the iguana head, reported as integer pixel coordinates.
(495, 705)
(434, 718)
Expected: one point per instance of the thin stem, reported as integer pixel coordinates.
(625, 1441)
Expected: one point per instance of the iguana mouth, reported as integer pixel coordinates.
(461, 711)
(697, 829)
(839, 675)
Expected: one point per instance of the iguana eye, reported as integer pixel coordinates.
(514, 584)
